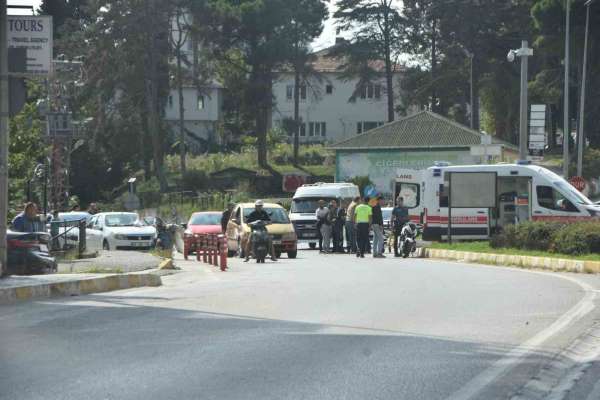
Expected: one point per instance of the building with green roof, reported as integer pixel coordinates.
(415, 142)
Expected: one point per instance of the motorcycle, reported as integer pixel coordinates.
(408, 239)
(260, 239)
(28, 253)
(168, 235)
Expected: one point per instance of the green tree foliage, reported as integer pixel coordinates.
(257, 32)
(26, 150)
(378, 34)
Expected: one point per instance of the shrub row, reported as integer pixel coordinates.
(574, 238)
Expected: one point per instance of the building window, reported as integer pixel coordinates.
(302, 129)
(329, 89)
(200, 102)
(311, 129)
(289, 92)
(317, 129)
(370, 91)
(323, 129)
(170, 101)
(363, 126)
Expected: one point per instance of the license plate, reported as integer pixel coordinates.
(44, 248)
(310, 235)
(138, 244)
(276, 241)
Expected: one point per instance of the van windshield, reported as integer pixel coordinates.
(571, 192)
(308, 205)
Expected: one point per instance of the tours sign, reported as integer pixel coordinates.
(34, 33)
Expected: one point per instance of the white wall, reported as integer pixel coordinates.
(340, 115)
(200, 121)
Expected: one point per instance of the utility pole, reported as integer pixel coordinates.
(580, 134)
(3, 135)
(567, 125)
(524, 53)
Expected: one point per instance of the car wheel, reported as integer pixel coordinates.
(292, 254)
(312, 246)
(105, 245)
(230, 253)
(277, 254)
(240, 250)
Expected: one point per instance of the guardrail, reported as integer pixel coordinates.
(211, 249)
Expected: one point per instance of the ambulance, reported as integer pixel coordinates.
(523, 192)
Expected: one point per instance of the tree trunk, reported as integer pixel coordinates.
(389, 77)
(262, 96)
(475, 105)
(296, 116)
(434, 107)
(181, 113)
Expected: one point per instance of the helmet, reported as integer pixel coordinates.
(259, 203)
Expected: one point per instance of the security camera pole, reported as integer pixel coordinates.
(524, 52)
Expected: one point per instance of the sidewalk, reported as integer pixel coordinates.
(113, 261)
(114, 270)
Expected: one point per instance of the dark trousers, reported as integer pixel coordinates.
(362, 237)
(338, 237)
(397, 231)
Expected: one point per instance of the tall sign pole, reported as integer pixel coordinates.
(567, 125)
(3, 136)
(581, 135)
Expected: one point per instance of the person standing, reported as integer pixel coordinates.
(398, 219)
(225, 217)
(335, 221)
(377, 226)
(339, 228)
(363, 217)
(321, 214)
(350, 226)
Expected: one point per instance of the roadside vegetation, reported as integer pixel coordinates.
(579, 241)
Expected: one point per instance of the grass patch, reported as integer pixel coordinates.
(484, 247)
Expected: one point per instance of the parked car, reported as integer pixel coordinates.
(200, 222)
(119, 231)
(281, 229)
(28, 253)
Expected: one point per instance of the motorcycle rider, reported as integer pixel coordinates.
(259, 214)
(398, 219)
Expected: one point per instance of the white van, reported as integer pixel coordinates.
(305, 203)
(524, 192)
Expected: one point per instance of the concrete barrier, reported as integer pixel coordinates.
(77, 287)
(549, 263)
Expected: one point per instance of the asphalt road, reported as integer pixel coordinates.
(318, 327)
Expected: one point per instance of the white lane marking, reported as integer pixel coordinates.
(500, 367)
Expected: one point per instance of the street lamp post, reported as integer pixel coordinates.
(3, 135)
(580, 134)
(524, 53)
(566, 124)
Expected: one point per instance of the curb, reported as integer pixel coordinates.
(166, 264)
(78, 287)
(547, 263)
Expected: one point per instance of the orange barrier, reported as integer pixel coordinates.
(212, 248)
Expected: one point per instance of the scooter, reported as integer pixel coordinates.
(168, 235)
(260, 240)
(408, 239)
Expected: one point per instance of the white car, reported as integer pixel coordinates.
(119, 231)
(68, 231)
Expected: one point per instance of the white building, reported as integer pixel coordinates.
(327, 112)
(202, 106)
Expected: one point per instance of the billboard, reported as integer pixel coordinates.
(34, 33)
(382, 167)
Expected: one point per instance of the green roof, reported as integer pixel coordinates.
(424, 129)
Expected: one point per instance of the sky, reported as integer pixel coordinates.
(326, 39)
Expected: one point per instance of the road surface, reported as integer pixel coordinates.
(318, 327)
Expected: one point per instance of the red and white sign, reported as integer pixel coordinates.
(578, 182)
(293, 182)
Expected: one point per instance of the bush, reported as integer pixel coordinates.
(536, 235)
(572, 239)
(577, 239)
